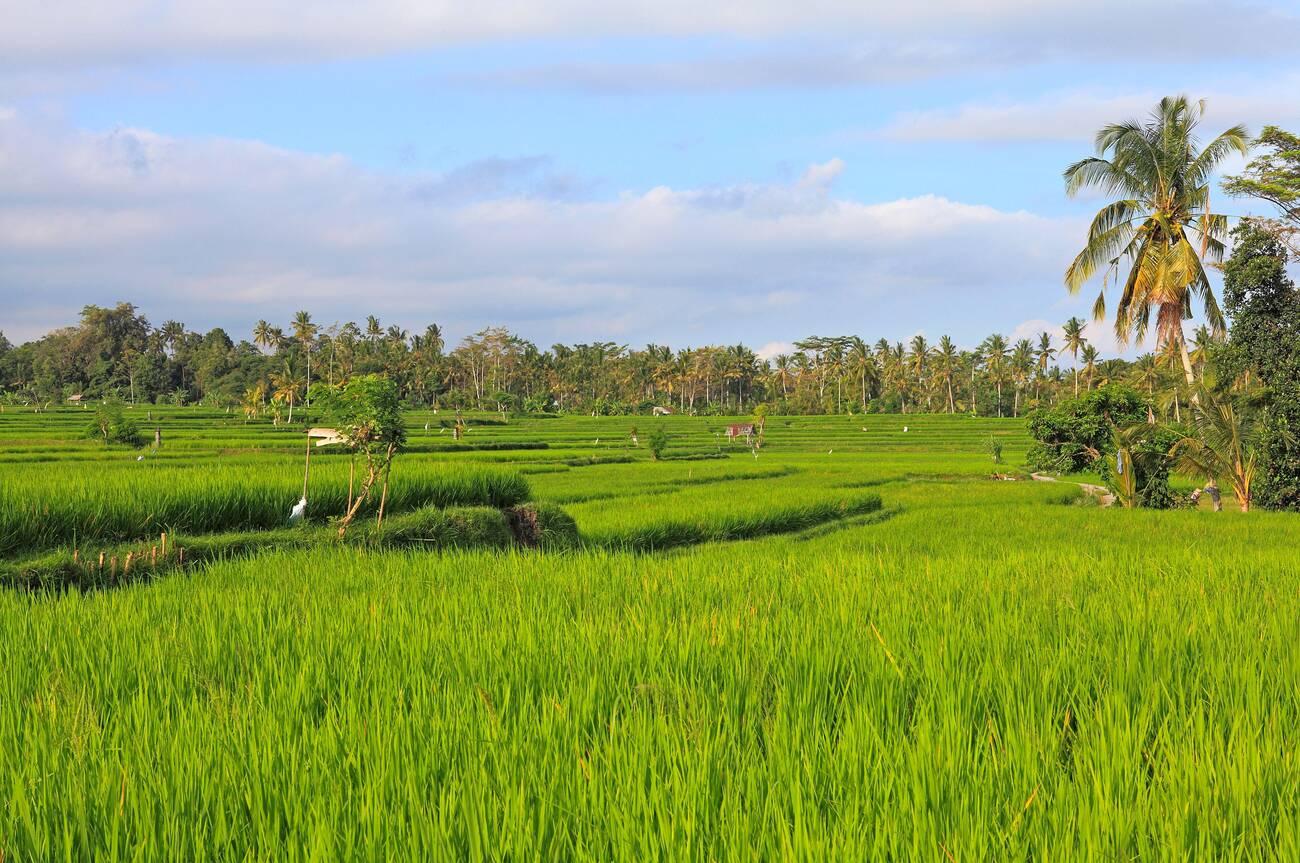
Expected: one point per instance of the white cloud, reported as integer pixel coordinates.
(896, 35)
(228, 231)
(1076, 115)
(772, 350)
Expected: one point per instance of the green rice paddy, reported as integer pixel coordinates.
(854, 645)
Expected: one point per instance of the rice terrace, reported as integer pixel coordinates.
(413, 447)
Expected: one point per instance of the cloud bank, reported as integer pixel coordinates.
(229, 231)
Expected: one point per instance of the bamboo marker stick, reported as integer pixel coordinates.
(352, 472)
(306, 468)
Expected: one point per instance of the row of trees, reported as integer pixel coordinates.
(115, 353)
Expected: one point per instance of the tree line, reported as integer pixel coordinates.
(115, 353)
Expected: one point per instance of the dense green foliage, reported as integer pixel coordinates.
(1265, 343)
(1273, 176)
(111, 425)
(116, 353)
(1076, 434)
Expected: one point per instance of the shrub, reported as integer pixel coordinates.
(1077, 433)
(111, 425)
(658, 441)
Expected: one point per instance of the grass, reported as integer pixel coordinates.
(939, 666)
(135, 500)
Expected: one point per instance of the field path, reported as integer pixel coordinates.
(1103, 495)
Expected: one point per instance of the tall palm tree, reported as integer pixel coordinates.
(1022, 367)
(1162, 227)
(1074, 342)
(995, 350)
(1044, 355)
(262, 336)
(286, 389)
(304, 331)
(1202, 341)
(1090, 357)
(946, 360)
(919, 361)
(172, 332)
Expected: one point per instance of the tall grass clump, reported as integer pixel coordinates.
(139, 500)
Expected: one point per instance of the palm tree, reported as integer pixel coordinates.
(1074, 342)
(1223, 443)
(1090, 356)
(1046, 353)
(946, 360)
(1202, 341)
(262, 335)
(172, 332)
(1022, 366)
(304, 331)
(1165, 181)
(994, 350)
(286, 386)
(919, 359)
(975, 358)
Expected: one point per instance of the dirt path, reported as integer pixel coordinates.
(1103, 495)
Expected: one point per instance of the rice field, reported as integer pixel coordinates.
(852, 645)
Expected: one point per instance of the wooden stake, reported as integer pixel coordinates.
(101, 560)
(383, 497)
(164, 544)
(352, 472)
(306, 469)
(126, 567)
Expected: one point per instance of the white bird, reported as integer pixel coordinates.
(829, 451)
(426, 426)
(296, 514)
(904, 428)
(139, 458)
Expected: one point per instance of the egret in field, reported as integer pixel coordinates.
(298, 512)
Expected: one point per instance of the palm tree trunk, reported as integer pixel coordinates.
(1187, 362)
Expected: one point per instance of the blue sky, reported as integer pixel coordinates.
(581, 171)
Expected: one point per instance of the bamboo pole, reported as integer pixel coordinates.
(352, 472)
(306, 470)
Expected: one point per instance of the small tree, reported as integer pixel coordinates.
(113, 426)
(366, 411)
(994, 448)
(658, 441)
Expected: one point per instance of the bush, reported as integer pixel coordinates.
(543, 525)
(658, 441)
(1074, 435)
(1146, 454)
(111, 425)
